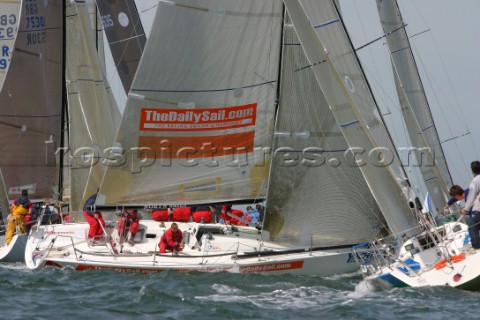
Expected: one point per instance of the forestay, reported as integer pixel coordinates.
(337, 70)
(93, 113)
(31, 102)
(202, 100)
(316, 194)
(415, 109)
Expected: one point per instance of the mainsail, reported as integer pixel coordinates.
(202, 101)
(335, 65)
(415, 109)
(10, 17)
(93, 113)
(125, 36)
(31, 102)
(316, 194)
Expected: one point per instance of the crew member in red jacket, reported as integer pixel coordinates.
(171, 240)
(130, 218)
(94, 219)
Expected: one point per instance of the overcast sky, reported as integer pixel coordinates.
(447, 55)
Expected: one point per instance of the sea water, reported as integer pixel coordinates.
(67, 294)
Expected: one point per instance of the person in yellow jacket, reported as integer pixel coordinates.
(20, 208)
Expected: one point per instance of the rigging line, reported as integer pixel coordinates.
(311, 65)
(219, 10)
(127, 39)
(456, 137)
(381, 37)
(450, 83)
(205, 90)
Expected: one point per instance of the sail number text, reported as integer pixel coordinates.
(107, 21)
(7, 23)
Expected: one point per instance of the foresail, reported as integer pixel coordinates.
(31, 103)
(202, 101)
(125, 36)
(10, 14)
(94, 116)
(415, 109)
(336, 68)
(316, 195)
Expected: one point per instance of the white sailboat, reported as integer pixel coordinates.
(221, 95)
(439, 255)
(31, 104)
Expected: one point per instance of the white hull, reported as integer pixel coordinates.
(15, 251)
(464, 274)
(450, 262)
(233, 252)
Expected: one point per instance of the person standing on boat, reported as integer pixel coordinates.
(457, 194)
(130, 218)
(20, 208)
(94, 219)
(472, 204)
(172, 240)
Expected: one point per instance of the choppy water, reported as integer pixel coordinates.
(67, 294)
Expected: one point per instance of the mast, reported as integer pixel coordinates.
(64, 116)
(280, 60)
(414, 104)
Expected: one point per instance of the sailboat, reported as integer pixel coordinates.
(31, 106)
(199, 127)
(438, 255)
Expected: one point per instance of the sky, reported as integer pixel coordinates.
(444, 38)
(445, 42)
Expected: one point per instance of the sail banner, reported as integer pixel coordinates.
(198, 119)
(31, 101)
(201, 107)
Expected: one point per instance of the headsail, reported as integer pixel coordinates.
(415, 109)
(315, 192)
(125, 36)
(94, 116)
(10, 12)
(202, 100)
(337, 70)
(31, 103)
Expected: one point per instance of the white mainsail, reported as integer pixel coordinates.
(202, 101)
(338, 72)
(316, 194)
(415, 109)
(93, 113)
(31, 103)
(10, 12)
